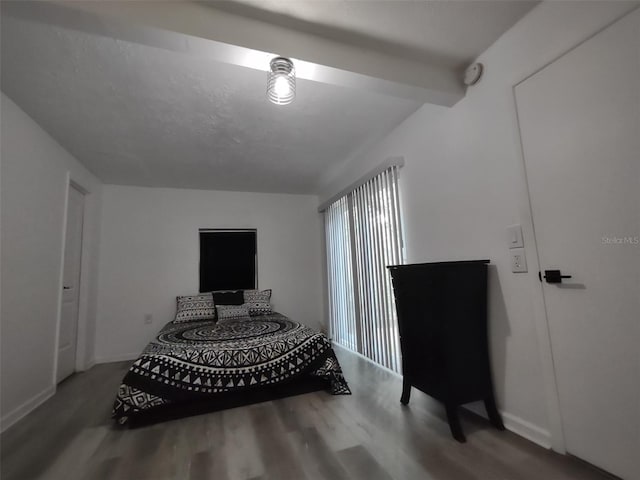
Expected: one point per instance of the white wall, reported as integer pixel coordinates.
(150, 253)
(464, 183)
(34, 180)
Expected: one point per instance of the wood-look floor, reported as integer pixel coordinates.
(366, 436)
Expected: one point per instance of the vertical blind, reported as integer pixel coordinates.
(364, 235)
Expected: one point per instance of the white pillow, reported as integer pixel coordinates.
(258, 301)
(195, 308)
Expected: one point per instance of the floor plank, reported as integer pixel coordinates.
(367, 435)
(277, 453)
(361, 464)
(208, 465)
(317, 459)
(240, 446)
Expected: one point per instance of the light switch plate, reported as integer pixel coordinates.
(518, 260)
(514, 236)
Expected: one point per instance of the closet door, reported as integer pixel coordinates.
(68, 328)
(580, 127)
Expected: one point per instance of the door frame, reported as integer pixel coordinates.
(554, 411)
(81, 362)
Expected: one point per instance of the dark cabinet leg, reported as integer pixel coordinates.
(454, 422)
(492, 412)
(406, 391)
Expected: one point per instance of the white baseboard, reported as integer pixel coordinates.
(125, 357)
(517, 425)
(511, 422)
(527, 430)
(27, 407)
(86, 366)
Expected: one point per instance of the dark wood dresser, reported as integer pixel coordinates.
(442, 317)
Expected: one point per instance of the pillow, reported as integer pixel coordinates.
(232, 312)
(195, 308)
(228, 297)
(258, 301)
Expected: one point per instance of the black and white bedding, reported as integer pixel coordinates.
(204, 361)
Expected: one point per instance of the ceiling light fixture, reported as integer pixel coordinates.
(281, 81)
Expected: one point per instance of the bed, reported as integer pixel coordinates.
(203, 366)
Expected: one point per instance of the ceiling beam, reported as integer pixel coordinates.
(201, 29)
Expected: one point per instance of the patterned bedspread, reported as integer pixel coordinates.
(197, 360)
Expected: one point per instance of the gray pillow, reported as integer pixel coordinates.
(232, 312)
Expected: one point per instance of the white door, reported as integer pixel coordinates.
(580, 128)
(71, 285)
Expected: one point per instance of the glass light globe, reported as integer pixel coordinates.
(281, 81)
(281, 86)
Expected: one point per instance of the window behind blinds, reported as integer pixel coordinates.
(228, 259)
(340, 274)
(364, 236)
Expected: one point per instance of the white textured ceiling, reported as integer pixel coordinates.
(137, 115)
